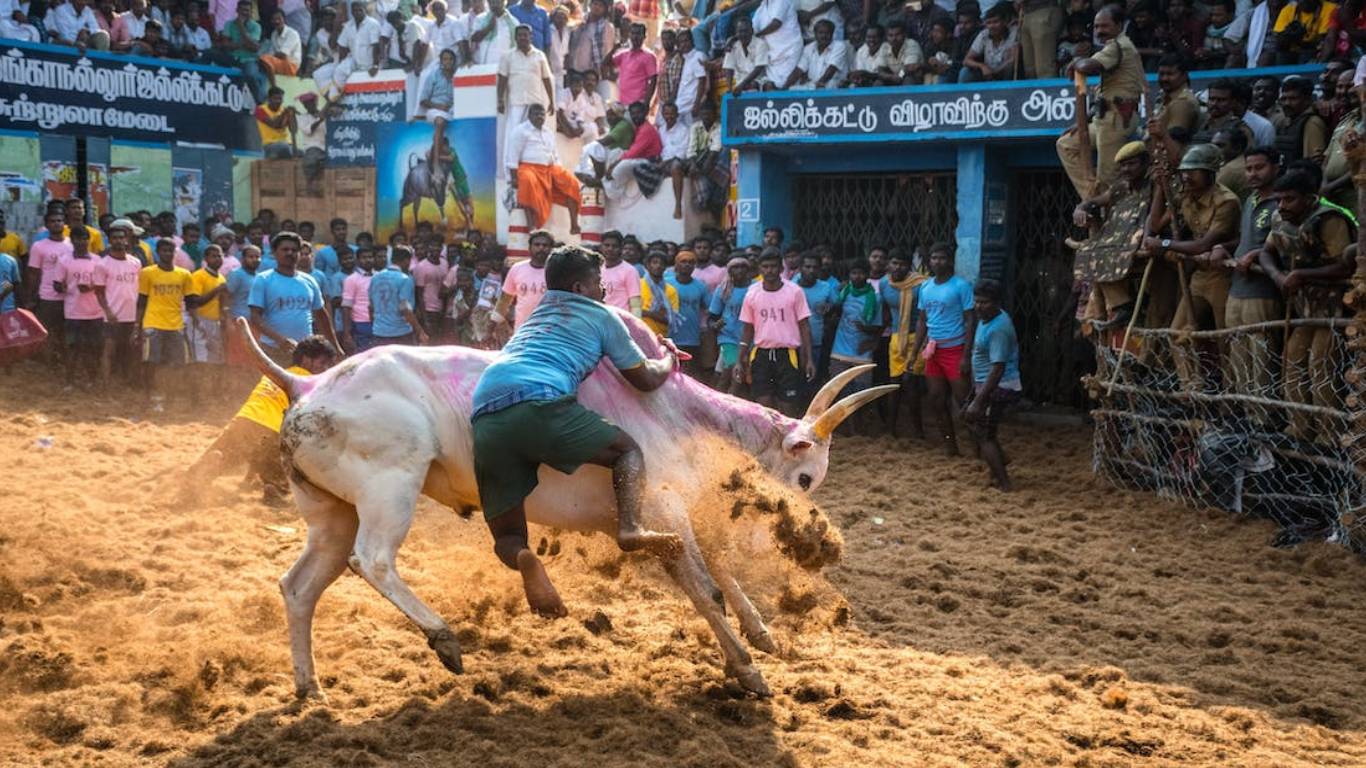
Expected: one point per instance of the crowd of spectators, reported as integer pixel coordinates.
(692, 50)
(133, 302)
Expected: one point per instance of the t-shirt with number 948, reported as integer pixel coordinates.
(775, 315)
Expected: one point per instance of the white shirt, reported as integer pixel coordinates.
(443, 36)
(833, 16)
(286, 45)
(815, 62)
(69, 24)
(784, 43)
(529, 144)
(498, 42)
(742, 61)
(1263, 132)
(315, 140)
(676, 140)
(693, 70)
(866, 61)
(136, 27)
(559, 47)
(584, 110)
(911, 53)
(526, 73)
(360, 40)
(413, 31)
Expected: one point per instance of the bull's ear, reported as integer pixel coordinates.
(795, 444)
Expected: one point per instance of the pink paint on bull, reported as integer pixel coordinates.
(366, 438)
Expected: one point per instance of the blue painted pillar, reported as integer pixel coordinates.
(763, 196)
(972, 168)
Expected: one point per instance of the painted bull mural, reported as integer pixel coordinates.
(363, 440)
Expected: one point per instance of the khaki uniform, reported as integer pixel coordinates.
(1252, 357)
(1233, 175)
(1335, 162)
(1310, 370)
(1121, 88)
(1217, 211)
(1180, 110)
(1039, 28)
(1105, 260)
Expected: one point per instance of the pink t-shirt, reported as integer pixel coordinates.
(527, 284)
(356, 295)
(74, 273)
(120, 280)
(620, 284)
(634, 70)
(428, 277)
(45, 254)
(774, 315)
(229, 264)
(710, 275)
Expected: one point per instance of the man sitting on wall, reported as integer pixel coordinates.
(534, 170)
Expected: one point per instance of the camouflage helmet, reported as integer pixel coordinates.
(1202, 157)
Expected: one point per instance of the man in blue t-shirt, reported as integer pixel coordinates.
(240, 281)
(286, 304)
(692, 306)
(943, 330)
(996, 377)
(820, 299)
(9, 280)
(526, 413)
(723, 313)
(326, 258)
(392, 298)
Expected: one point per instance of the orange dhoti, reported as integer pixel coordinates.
(541, 186)
(277, 65)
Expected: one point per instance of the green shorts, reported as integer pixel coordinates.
(729, 355)
(511, 445)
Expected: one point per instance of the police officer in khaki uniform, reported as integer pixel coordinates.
(1209, 215)
(1121, 89)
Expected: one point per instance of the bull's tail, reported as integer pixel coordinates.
(294, 386)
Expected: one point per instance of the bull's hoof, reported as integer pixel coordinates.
(750, 679)
(311, 693)
(447, 649)
(763, 641)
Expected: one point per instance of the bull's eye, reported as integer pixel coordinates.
(804, 480)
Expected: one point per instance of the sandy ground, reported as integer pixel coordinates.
(1067, 624)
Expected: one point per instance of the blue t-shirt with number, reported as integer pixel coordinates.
(729, 312)
(692, 308)
(288, 302)
(944, 304)
(390, 289)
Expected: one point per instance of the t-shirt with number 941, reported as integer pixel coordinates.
(775, 315)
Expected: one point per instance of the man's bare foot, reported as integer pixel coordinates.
(678, 213)
(574, 229)
(667, 545)
(540, 593)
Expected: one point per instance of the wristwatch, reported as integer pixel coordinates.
(1166, 243)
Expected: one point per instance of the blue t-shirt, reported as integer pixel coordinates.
(848, 334)
(820, 299)
(267, 262)
(944, 305)
(9, 273)
(993, 343)
(288, 303)
(555, 349)
(239, 291)
(332, 291)
(325, 259)
(692, 306)
(729, 312)
(891, 299)
(390, 289)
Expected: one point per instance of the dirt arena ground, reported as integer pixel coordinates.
(1066, 624)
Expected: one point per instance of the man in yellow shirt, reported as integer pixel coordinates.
(164, 292)
(1299, 29)
(207, 322)
(659, 315)
(75, 211)
(277, 126)
(253, 436)
(11, 243)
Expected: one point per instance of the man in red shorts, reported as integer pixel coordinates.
(945, 325)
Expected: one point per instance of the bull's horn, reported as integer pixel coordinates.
(825, 425)
(821, 402)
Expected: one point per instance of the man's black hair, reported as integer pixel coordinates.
(1116, 13)
(611, 234)
(1271, 154)
(274, 90)
(286, 237)
(1309, 168)
(1236, 138)
(313, 346)
(769, 253)
(654, 253)
(400, 253)
(989, 288)
(1174, 59)
(860, 264)
(335, 222)
(545, 233)
(898, 254)
(777, 229)
(570, 264)
(1299, 84)
(942, 247)
(1297, 179)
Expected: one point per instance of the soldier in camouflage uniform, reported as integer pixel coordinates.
(1106, 260)
(1306, 255)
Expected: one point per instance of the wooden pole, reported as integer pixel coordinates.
(1129, 329)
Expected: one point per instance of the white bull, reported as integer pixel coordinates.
(364, 439)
